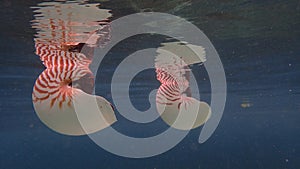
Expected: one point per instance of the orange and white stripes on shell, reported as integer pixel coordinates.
(173, 103)
(63, 30)
(172, 76)
(60, 36)
(62, 68)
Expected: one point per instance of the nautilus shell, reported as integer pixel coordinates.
(55, 97)
(175, 107)
(63, 90)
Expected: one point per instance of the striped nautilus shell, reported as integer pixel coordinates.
(62, 30)
(173, 102)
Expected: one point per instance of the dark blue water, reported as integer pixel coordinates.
(259, 45)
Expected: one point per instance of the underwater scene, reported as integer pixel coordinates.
(149, 84)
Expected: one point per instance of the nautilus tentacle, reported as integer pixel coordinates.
(175, 107)
(60, 94)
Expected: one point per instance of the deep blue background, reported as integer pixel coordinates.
(261, 59)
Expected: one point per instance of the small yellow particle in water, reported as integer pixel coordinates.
(246, 105)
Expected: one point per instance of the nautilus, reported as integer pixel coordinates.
(63, 91)
(62, 32)
(176, 108)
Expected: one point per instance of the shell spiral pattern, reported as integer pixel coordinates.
(176, 108)
(59, 41)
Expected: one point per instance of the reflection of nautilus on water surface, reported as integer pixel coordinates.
(63, 29)
(173, 103)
